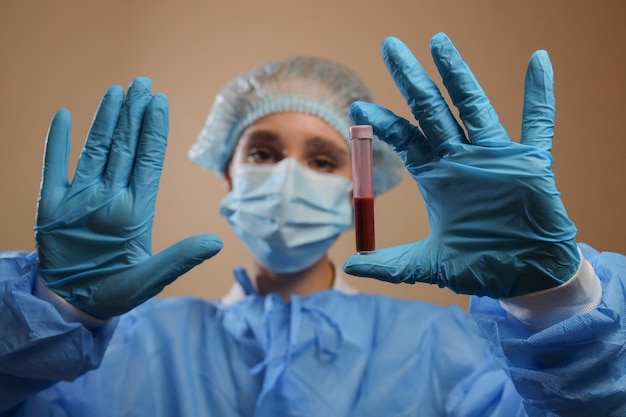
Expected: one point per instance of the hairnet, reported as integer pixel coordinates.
(295, 84)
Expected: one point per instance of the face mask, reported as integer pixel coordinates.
(288, 216)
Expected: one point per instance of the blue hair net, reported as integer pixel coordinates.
(308, 85)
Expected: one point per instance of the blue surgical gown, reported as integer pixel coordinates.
(328, 354)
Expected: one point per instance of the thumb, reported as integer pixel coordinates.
(396, 264)
(122, 292)
(167, 265)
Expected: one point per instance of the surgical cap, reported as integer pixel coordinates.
(300, 84)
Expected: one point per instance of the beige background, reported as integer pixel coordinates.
(66, 53)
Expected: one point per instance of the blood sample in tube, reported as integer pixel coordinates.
(363, 187)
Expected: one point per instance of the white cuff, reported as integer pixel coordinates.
(542, 309)
(68, 312)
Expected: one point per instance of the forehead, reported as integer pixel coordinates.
(292, 129)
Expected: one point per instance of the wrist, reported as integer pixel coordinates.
(68, 312)
(539, 310)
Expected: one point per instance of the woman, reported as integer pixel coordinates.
(291, 338)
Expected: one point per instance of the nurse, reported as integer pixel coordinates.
(291, 338)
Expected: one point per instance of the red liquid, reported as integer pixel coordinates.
(364, 224)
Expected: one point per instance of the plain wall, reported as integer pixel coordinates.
(66, 53)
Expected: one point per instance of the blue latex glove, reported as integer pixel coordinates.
(94, 234)
(497, 224)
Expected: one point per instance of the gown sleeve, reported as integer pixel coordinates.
(37, 346)
(575, 367)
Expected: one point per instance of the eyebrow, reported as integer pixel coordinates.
(320, 145)
(260, 135)
(312, 145)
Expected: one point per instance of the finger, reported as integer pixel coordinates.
(476, 112)
(54, 176)
(93, 158)
(122, 292)
(539, 105)
(420, 93)
(403, 137)
(164, 267)
(151, 149)
(393, 265)
(124, 144)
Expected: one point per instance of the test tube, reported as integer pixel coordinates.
(363, 187)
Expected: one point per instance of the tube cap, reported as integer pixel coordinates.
(361, 132)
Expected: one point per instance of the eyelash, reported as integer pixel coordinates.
(263, 155)
(328, 164)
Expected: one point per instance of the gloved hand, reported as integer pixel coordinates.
(498, 227)
(94, 234)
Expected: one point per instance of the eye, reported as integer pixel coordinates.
(323, 163)
(325, 155)
(262, 155)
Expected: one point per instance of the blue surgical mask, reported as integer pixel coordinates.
(287, 215)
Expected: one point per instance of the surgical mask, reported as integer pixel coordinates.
(287, 215)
